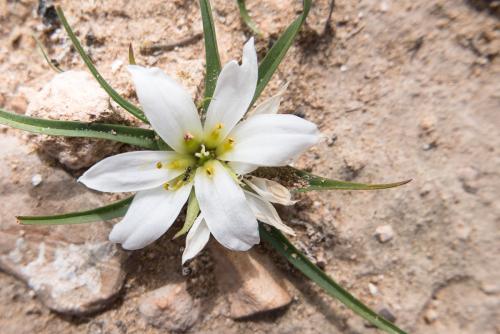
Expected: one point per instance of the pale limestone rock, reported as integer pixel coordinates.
(73, 269)
(74, 96)
(251, 282)
(170, 307)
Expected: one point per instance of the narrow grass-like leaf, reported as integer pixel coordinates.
(125, 104)
(245, 16)
(276, 54)
(114, 210)
(121, 133)
(313, 182)
(193, 209)
(46, 56)
(281, 244)
(212, 58)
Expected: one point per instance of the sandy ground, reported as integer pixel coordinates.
(402, 89)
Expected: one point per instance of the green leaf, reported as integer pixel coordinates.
(121, 133)
(125, 104)
(213, 66)
(245, 16)
(281, 244)
(114, 210)
(314, 182)
(193, 209)
(278, 51)
(45, 56)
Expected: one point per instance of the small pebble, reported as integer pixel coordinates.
(19, 104)
(384, 233)
(387, 314)
(430, 316)
(115, 66)
(331, 140)
(384, 6)
(343, 68)
(373, 289)
(36, 180)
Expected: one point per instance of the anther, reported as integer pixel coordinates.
(166, 186)
(219, 126)
(188, 136)
(209, 171)
(159, 165)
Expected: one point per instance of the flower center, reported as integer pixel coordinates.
(201, 152)
(204, 155)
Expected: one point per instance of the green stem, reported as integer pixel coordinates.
(281, 244)
(245, 16)
(125, 104)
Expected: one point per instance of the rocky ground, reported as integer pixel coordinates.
(402, 89)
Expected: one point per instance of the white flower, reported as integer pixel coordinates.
(208, 157)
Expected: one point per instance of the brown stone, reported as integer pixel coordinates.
(251, 282)
(19, 104)
(170, 307)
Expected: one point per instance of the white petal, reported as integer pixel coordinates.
(266, 213)
(271, 140)
(242, 168)
(167, 105)
(196, 239)
(150, 215)
(270, 190)
(132, 171)
(234, 92)
(223, 204)
(269, 106)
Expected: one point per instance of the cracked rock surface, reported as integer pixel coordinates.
(71, 270)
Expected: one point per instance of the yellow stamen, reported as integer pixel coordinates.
(227, 145)
(209, 170)
(179, 184)
(159, 165)
(174, 164)
(180, 163)
(166, 186)
(215, 134)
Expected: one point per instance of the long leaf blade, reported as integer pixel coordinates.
(245, 16)
(314, 182)
(283, 246)
(113, 210)
(125, 104)
(121, 133)
(278, 51)
(212, 59)
(53, 66)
